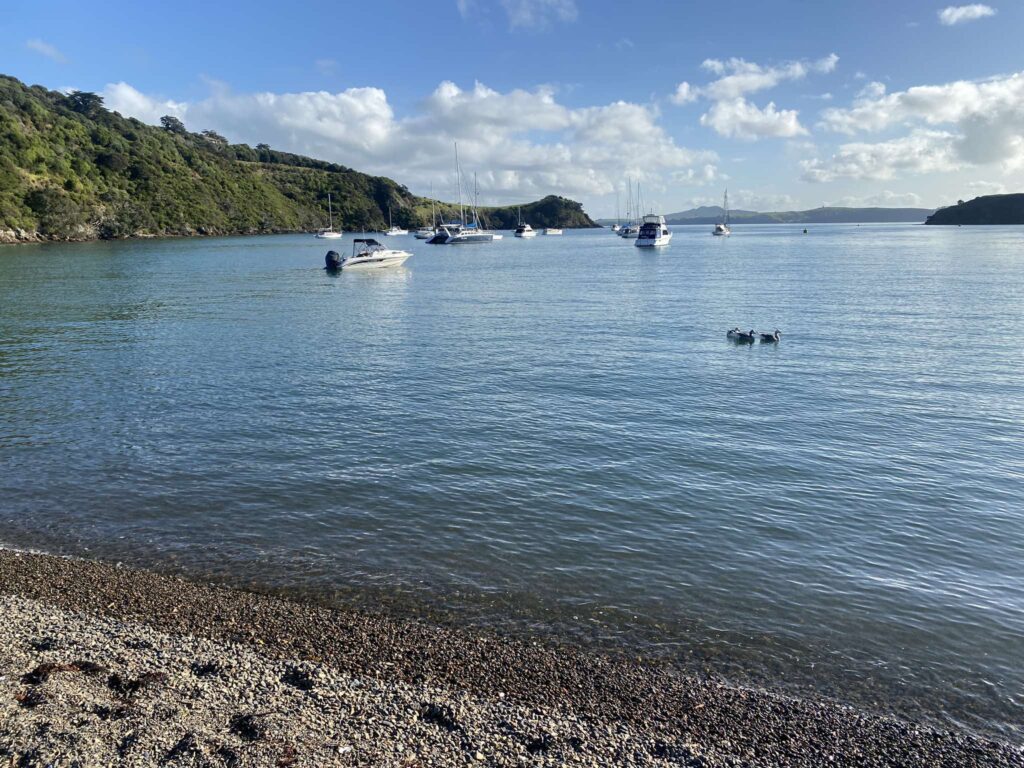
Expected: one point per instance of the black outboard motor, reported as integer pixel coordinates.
(332, 261)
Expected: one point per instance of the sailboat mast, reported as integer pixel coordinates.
(458, 183)
(330, 212)
(726, 206)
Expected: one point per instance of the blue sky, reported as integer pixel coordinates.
(789, 104)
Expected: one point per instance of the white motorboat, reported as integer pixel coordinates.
(523, 229)
(329, 233)
(654, 232)
(722, 228)
(552, 231)
(424, 233)
(367, 253)
(629, 231)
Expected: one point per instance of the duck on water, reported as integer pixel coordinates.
(749, 337)
(743, 337)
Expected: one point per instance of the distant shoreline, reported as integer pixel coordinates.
(584, 706)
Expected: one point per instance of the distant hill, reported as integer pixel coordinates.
(712, 214)
(72, 170)
(989, 209)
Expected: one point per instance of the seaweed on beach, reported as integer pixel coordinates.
(127, 687)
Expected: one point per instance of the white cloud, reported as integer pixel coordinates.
(732, 114)
(123, 98)
(47, 50)
(747, 77)
(884, 199)
(987, 187)
(958, 14)
(985, 119)
(685, 93)
(740, 119)
(922, 151)
(523, 143)
(528, 14)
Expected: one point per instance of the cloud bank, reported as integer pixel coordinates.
(522, 143)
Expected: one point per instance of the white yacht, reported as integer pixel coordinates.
(722, 228)
(367, 253)
(654, 232)
(629, 231)
(523, 229)
(392, 229)
(424, 233)
(329, 233)
(552, 231)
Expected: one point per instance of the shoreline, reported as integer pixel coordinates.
(602, 704)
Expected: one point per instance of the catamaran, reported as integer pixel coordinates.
(329, 233)
(722, 228)
(654, 232)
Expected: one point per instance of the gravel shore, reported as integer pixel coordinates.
(101, 665)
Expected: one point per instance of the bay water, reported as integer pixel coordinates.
(555, 437)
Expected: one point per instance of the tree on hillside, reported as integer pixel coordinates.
(85, 102)
(214, 138)
(173, 124)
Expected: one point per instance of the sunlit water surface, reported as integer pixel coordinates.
(555, 436)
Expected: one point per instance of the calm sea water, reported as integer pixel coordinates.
(555, 435)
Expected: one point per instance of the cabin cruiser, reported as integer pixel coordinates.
(367, 253)
(525, 230)
(425, 233)
(629, 231)
(616, 228)
(552, 231)
(653, 232)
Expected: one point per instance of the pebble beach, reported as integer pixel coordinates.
(104, 665)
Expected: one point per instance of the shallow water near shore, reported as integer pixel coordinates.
(555, 436)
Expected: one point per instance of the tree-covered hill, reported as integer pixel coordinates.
(72, 170)
(988, 209)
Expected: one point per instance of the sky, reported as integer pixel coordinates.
(790, 104)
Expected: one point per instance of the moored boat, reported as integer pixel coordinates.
(368, 253)
(552, 231)
(654, 232)
(329, 233)
(722, 228)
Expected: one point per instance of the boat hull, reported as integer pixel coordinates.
(384, 261)
(653, 242)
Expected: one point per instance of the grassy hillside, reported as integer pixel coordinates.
(70, 170)
(988, 209)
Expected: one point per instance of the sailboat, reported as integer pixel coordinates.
(392, 229)
(425, 233)
(461, 232)
(617, 225)
(329, 233)
(722, 228)
(632, 228)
